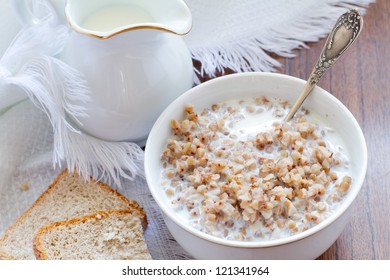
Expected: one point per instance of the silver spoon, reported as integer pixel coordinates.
(343, 34)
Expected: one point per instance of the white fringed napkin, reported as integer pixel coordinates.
(226, 34)
(239, 35)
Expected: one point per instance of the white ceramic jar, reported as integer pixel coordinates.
(133, 58)
(132, 77)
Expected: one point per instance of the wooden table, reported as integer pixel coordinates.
(361, 80)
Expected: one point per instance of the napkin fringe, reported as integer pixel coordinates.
(102, 160)
(61, 91)
(254, 54)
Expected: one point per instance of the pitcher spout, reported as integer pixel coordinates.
(106, 18)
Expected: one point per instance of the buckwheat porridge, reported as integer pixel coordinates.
(237, 171)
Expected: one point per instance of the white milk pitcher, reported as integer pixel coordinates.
(134, 60)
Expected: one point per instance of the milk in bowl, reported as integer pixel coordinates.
(237, 171)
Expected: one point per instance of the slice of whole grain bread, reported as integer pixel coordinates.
(105, 235)
(69, 196)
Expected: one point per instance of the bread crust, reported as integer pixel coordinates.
(4, 255)
(131, 204)
(39, 251)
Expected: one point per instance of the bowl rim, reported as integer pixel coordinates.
(164, 207)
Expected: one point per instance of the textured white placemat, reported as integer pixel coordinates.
(226, 33)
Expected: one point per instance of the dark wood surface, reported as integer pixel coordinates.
(361, 80)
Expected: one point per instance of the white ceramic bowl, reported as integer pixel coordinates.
(306, 245)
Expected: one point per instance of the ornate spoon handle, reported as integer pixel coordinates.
(343, 34)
